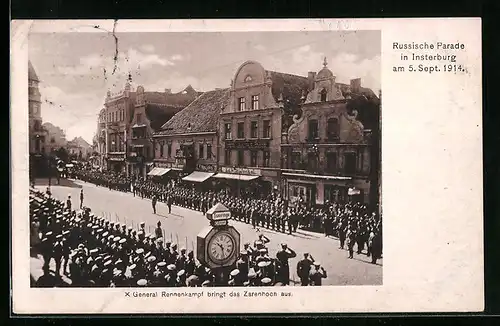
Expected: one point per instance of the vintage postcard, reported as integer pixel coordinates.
(246, 166)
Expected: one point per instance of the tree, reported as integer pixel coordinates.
(63, 154)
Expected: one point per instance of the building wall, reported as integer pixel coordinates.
(56, 138)
(37, 136)
(171, 160)
(251, 80)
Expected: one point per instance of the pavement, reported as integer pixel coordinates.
(183, 225)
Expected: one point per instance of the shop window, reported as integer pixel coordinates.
(313, 129)
(241, 158)
(350, 163)
(255, 102)
(266, 155)
(266, 129)
(253, 158)
(331, 162)
(241, 104)
(241, 130)
(332, 129)
(227, 130)
(253, 129)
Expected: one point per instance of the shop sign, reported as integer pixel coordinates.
(247, 144)
(244, 171)
(205, 167)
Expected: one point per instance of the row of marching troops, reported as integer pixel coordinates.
(108, 179)
(95, 252)
(352, 224)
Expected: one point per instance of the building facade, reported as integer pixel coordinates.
(250, 128)
(151, 111)
(118, 110)
(79, 148)
(37, 135)
(55, 139)
(187, 144)
(327, 152)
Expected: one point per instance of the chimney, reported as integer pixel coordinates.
(168, 90)
(355, 85)
(311, 75)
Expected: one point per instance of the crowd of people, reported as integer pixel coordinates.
(94, 252)
(352, 223)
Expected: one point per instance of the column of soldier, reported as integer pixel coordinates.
(351, 223)
(95, 252)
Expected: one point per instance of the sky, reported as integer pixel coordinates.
(77, 69)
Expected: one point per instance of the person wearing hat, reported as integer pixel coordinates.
(304, 268)
(68, 203)
(153, 203)
(317, 274)
(180, 262)
(158, 230)
(181, 278)
(262, 256)
(242, 264)
(266, 281)
(81, 198)
(171, 277)
(350, 240)
(282, 256)
(190, 264)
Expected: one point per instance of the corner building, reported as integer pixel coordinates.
(327, 152)
(250, 129)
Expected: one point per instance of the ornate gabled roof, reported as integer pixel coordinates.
(199, 116)
(32, 73)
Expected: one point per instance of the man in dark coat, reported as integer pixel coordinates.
(153, 203)
(304, 268)
(283, 268)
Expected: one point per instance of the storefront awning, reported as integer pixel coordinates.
(198, 176)
(317, 176)
(162, 171)
(138, 126)
(153, 172)
(232, 176)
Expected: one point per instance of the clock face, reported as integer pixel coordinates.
(221, 247)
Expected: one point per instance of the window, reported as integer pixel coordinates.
(253, 158)
(37, 125)
(227, 157)
(312, 162)
(201, 151)
(253, 129)
(350, 163)
(241, 130)
(139, 118)
(241, 104)
(266, 129)
(255, 102)
(169, 150)
(296, 160)
(331, 162)
(332, 129)
(227, 130)
(161, 149)
(241, 158)
(323, 95)
(109, 117)
(209, 151)
(52, 140)
(266, 158)
(313, 129)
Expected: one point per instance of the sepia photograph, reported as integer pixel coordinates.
(205, 159)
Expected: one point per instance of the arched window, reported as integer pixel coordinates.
(323, 95)
(332, 129)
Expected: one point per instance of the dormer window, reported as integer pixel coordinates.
(189, 126)
(248, 79)
(323, 95)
